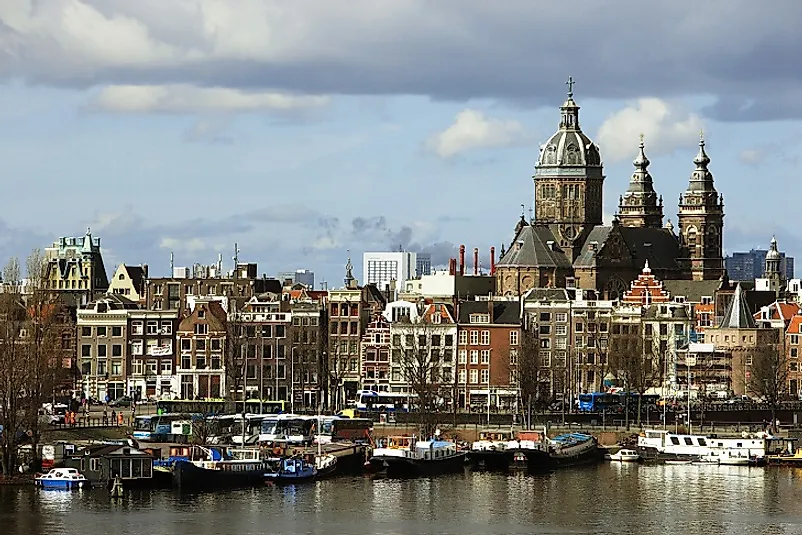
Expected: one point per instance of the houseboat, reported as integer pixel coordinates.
(660, 445)
(215, 467)
(490, 451)
(405, 456)
(104, 463)
(302, 468)
(573, 449)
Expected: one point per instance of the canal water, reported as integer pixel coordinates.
(609, 498)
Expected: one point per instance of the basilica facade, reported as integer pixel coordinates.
(565, 243)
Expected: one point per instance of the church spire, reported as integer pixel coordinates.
(350, 281)
(640, 205)
(569, 111)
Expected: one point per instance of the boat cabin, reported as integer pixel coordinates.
(104, 463)
(496, 436)
(747, 445)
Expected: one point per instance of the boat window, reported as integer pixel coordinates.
(675, 441)
(652, 434)
(702, 441)
(739, 445)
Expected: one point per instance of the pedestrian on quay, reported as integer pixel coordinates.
(120, 421)
(113, 417)
(105, 416)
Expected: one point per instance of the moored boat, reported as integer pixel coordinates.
(219, 468)
(625, 455)
(490, 451)
(660, 445)
(60, 478)
(405, 456)
(302, 469)
(573, 449)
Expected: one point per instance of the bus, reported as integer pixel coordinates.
(369, 400)
(336, 428)
(209, 407)
(253, 427)
(597, 402)
(163, 428)
(289, 428)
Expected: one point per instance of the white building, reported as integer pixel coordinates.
(381, 268)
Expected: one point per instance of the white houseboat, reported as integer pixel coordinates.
(656, 444)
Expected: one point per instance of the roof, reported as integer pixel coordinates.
(546, 294)
(796, 325)
(780, 311)
(692, 291)
(531, 248)
(738, 315)
(504, 312)
(657, 246)
(137, 275)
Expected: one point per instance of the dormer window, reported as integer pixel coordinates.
(437, 317)
(201, 313)
(479, 318)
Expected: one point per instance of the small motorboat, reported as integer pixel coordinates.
(734, 461)
(678, 461)
(299, 469)
(625, 456)
(61, 478)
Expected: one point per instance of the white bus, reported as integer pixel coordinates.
(369, 400)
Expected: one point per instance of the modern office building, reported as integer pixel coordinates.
(750, 266)
(381, 268)
(423, 264)
(299, 276)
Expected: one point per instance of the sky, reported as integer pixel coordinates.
(311, 130)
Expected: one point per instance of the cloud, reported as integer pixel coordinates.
(183, 98)
(316, 47)
(190, 246)
(665, 126)
(208, 131)
(751, 156)
(472, 130)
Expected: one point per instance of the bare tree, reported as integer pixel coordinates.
(46, 321)
(527, 373)
(337, 366)
(769, 376)
(421, 366)
(13, 366)
(234, 359)
(628, 363)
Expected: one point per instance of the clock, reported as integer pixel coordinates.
(569, 232)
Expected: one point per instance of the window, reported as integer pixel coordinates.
(101, 367)
(201, 313)
(101, 350)
(794, 339)
(545, 316)
(545, 359)
(462, 355)
(166, 367)
(485, 356)
(280, 331)
(167, 327)
(474, 376)
(479, 318)
(561, 342)
(117, 350)
(462, 376)
(136, 367)
(474, 338)
(794, 352)
(186, 362)
(116, 367)
(200, 344)
(579, 327)
(86, 350)
(485, 338)
(101, 331)
(396, 340)
(463, 338)
(561, 317)
(485, 376)
(200, 361)
(153, 367)
(153, 327)
(201, 328)
(474, 356)
(136, 327)
(86, 331)
(216, 344)
(513, 357)
(545, 343)
(544, 330)
(116, 331)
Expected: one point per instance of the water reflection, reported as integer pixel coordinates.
(612, 498)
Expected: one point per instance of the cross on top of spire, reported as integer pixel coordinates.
(570, 83)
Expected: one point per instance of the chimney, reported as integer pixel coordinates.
(492, 261)
(475, 260)
(462, 260)
(145, 270)
(452, 266)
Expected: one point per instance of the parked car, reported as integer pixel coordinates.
(124, 401)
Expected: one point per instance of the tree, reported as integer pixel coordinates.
(769, 376)
(421, 366)
(13, 366)
(527, 372)
(627, 362)
(337, 366)
(233, 356)
(46, 320)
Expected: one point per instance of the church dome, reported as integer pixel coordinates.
(569, 146)
(773, 253)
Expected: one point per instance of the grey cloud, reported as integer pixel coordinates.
(466, 49)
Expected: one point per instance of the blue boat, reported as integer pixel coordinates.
(299, 469)
(61, 478)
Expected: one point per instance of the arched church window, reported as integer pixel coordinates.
(691, 236)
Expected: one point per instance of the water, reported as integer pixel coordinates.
(610, 498)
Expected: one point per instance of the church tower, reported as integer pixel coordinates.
(701, 221)
(639, 206)
(568, 182)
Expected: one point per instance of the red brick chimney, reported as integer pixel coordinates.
(492, 261)
(452, 266)
(475, 260)
(462, 260)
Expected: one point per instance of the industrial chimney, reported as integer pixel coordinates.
(492, 261)
(452, 266)
(462, 260)
(475, 260)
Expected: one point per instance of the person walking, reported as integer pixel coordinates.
(105, 416)
(113, 417)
